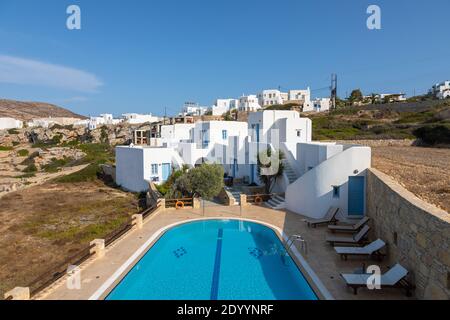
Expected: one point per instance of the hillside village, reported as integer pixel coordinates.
(49, 163)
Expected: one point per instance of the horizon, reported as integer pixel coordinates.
(144, 57)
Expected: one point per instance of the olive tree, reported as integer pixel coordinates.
(270, 167)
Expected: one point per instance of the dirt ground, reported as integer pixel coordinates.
(43, 225)
(423, 171)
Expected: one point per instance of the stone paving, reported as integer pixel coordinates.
(321, 257)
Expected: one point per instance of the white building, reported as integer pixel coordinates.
(302, 97)
(95, 122)
(392, 97)
(48, 122)
(273, 97)
(248, 104)
(136, 118)
(321, 104)
(193, 109)
(315, 176)
(441, 90)
(222, 106)
(329, 175)
(10, 123)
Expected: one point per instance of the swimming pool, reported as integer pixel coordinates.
(215, 259)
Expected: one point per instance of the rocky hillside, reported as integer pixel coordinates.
(26, 111)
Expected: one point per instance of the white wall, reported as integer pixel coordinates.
(312, 194)
(310, 155)
(172, 134)
(10, 123)
(134, 165)
(130, 168)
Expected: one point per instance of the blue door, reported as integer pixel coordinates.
(257, 132)
(166, 170)
(252, 173)
(356, 195)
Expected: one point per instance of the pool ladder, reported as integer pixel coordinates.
(298, 238)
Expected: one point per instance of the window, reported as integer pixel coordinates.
(224, 134)
(336, 191)
(154, 169)
(299, 132)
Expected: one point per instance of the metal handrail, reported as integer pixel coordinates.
(295, 237)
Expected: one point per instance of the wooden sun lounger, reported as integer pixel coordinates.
(349, 228)
(371, 250)
(330, 217)
(393, 278)
(357, 239)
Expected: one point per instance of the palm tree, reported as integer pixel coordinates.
(270, 167)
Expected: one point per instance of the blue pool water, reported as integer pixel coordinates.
(215, 259)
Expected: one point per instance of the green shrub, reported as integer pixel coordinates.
(55, 165)
(30, 159)
(90, 173)
(30, 168)
(13, 131)
(23, 153)
(433, 135)
(26, 175)
(15, 143)
(6, 148)
(53, 142)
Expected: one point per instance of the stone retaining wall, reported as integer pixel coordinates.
(417, 234)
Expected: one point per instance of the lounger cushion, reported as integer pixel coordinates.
(369, 249)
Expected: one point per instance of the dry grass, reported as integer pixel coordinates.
(43, 225)
(423, 171)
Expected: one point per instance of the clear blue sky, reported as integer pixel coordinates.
(142, 56)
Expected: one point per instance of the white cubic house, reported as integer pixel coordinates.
(193, 109)
(248, 103)
(222, 106)
(10, 123)
(321, 104)
(136, 118)
(273, 97)
(441, 90)
(315, 176)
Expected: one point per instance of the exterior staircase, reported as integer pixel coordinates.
(290, 173)
(236, 195)
(277, 202)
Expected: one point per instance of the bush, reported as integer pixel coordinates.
(30, 159)
(26, 175)
(53, 142)
(205, 181)
(433, 135)
(15, 143)
(56, 164)
(13, 131)
(30, 168)
(90, 173)
(5, 148)
(23, 153)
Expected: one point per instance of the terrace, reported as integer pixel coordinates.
(322, 259)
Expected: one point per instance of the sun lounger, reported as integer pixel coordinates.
(357, 239)
(330, 217)
(394, 277)
(371, 250)
(349, 228)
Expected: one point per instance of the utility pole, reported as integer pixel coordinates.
(333, 90)
(165, 115)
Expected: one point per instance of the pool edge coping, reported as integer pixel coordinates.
(105, 289)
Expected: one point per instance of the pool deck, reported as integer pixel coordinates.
(321, 257)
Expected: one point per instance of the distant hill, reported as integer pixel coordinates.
(26, 111)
